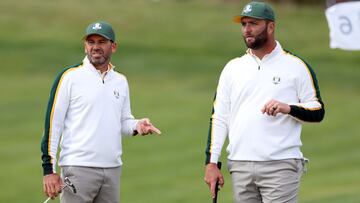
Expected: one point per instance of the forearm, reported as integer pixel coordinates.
(58, 104)
(218, 129)
(308, 112)
(216, 138)
(49, 147)
(128, 126)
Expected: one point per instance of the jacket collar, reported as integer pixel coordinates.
(278, 49)
(92, 68)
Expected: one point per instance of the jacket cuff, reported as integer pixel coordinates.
(214, 158)
(47, 169)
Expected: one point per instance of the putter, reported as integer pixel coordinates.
(217, 185)
(67, 184)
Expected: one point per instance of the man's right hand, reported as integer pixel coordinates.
(212, 175)
(145, 127)
(52, 185)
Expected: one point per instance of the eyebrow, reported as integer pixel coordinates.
(100, 40)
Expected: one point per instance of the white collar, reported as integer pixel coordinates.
(87, 63)
(275, 51)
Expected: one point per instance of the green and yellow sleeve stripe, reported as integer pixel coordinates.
(209, 144)
(309, 114)
(47, 159)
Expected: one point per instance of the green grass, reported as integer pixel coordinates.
(172, 53)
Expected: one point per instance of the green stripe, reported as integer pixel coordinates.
(312, 73)
(302, 113)
(46, 158)
(315, 82)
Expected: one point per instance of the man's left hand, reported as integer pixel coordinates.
(274, 107)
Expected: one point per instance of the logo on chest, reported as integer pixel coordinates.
(116, 94)
(276, 80)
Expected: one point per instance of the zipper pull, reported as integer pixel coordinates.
(258, 67)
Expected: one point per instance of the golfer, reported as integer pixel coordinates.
(261, 101)
(89, 109)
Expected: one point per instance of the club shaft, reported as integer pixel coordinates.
(216, 192)
(47, 200)
(215, 200)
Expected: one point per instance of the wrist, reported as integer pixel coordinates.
(135, 132)
(291, 109)
(288, 109)
(210, 165)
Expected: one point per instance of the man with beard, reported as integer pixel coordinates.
(89, 108)
(261, 101)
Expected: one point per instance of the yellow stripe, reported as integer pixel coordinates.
(53, 107)
(307, 69)
(212, 130)
(310, 109)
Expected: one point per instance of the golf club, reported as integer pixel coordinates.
(217, 185)
(67, 184)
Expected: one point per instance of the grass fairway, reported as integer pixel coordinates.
(172, 53)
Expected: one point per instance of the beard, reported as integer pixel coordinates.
(96, 61)
(259, 41)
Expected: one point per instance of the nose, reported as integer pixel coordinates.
(246, 28)
(96, 45)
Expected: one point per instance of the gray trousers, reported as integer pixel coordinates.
(266, 181)
(93, 185)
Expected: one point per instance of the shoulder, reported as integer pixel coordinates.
(299, 63)
(119, 76)
(241, 59)
(67, 72)
(238, 62)
(294, 58)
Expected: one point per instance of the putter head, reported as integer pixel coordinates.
(69, 184)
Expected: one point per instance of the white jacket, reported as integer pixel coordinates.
(246, 84)
(89, 114)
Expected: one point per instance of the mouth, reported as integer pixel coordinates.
(96, 55)
(249, 38)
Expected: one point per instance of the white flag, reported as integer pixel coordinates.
(344, 25)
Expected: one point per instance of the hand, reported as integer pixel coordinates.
(52, 185)
(144, 127)
(212, 175)
(274, 107)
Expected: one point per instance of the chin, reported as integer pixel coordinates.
(251, 45)
(97, 62)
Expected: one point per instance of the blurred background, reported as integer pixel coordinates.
(172, 52)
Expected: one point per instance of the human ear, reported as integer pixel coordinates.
(271, 27)
(113, 47)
